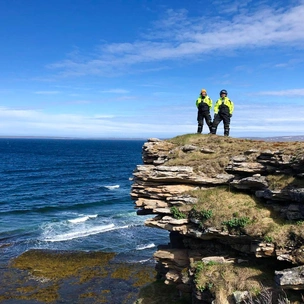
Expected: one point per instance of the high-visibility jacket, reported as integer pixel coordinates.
(207, 101)
(224, 105)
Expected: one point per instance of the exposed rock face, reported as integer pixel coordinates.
(291, 278)
(160, 187)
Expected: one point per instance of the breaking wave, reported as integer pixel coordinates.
(82, 219)
(112, 187)
(143, 247)
(82, 233)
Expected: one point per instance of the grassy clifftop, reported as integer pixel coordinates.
(229, 199)
(221, 149)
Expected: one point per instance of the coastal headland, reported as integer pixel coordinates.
(234, 210)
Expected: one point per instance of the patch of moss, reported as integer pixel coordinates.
(105, 291)
(140, 277)
(144, 277)
(45, 294)
(87, 274)
(47, 270)
(41, 275)
(88, 295)
(123, 272)
(59, 265)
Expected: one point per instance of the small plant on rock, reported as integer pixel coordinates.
(236, 224)
(201, 216)
(177, 214)
(268, 239)
(200, 267)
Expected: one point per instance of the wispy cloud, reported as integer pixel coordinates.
(47, 92)
(290, 92)
(35, 123)
(229, 7)
(78, 102)
(116, 91)
(179, 36)
(99, 117)
(295, 61)
(281, 65)
(164, 121)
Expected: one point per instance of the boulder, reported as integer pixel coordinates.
(292, 278)
(250, 183)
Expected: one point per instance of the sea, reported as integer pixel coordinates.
(72, 194)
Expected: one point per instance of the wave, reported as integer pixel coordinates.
(82, 219)
(80, 233)
(144, 261)
(126, 214)
(112, 187)
(62, 206)
(143, 247)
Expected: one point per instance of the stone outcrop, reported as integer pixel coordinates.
(269, 173)
(291, 278)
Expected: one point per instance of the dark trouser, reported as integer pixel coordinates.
(201, 116)
(217, 119)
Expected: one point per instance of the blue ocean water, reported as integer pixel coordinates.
(64, 194)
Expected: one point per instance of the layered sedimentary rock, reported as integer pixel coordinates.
(270, 174)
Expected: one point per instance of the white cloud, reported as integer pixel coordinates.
(78, 102)
(21, 122)
(289, 92)
(47, 92)
(178, 36)
(281, 65)
(228, 6)
(102, 116)
(159, 121)
(116, 91)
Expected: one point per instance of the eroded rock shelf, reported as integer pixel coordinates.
(228, 203)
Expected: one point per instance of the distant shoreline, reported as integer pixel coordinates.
(71, 138)
(268, 138)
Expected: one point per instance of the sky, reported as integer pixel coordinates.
(134, 68)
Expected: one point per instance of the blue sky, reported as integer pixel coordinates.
(88, 68)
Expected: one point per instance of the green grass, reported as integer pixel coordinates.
(243, 213)
(224, 148)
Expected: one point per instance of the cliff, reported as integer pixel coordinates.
(234, 210)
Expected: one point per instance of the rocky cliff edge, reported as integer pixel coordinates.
(235, 212)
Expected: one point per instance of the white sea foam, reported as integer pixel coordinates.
(143, 261)
(82, 233)
(143, 247)
(112, 187)
(82, 219)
